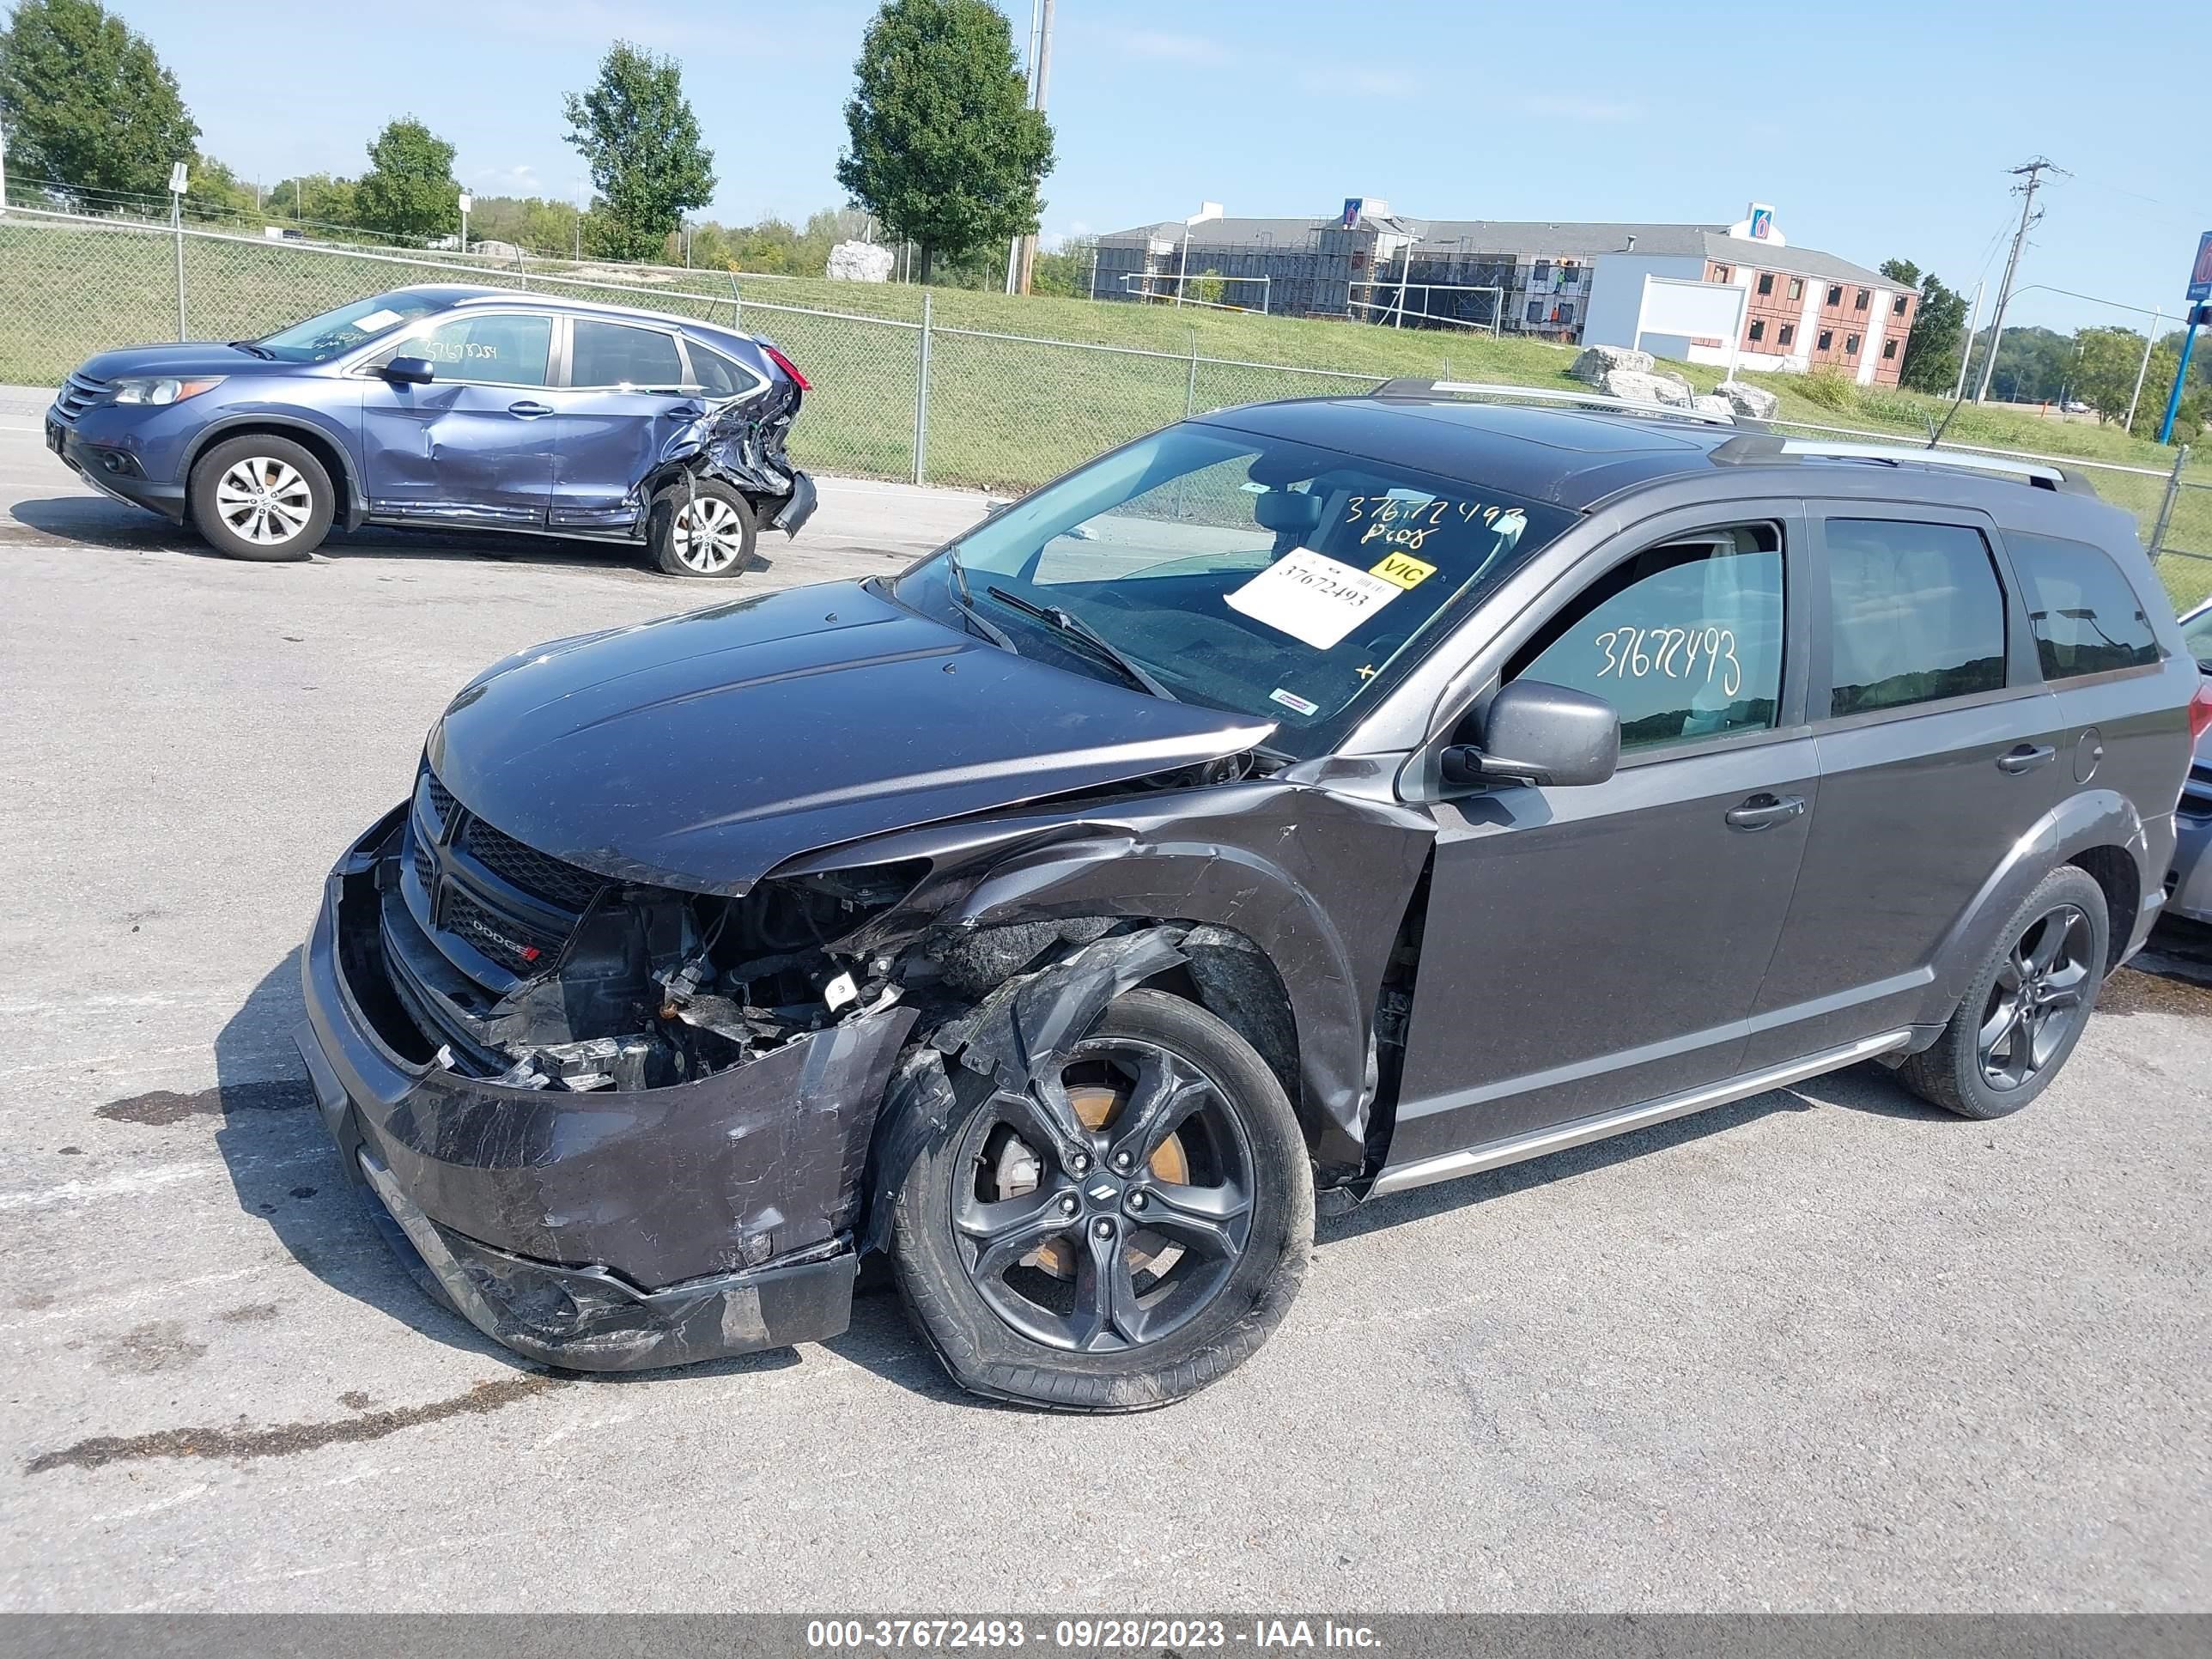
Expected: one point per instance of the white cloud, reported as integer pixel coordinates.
(1159, 44)
(520, 180)
(1580, 109)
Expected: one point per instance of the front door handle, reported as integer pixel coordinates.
(1765, 812)
(528, 411)
(2025, 757)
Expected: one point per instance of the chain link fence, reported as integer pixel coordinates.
(895, 397)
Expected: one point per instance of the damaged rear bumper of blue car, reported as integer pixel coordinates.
(597, 1231)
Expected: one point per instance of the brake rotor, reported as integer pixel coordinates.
(1017, 1169)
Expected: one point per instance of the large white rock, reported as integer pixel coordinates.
(860, 262)
(1754, 403)
(1642, 388)
(1707, 403)
(1597, 362)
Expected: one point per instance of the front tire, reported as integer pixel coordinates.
(2025, 1010)
(1127, 1231)
(262, 498)
(707, 531)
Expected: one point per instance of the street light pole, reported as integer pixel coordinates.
(1966, 355)
(465, 205)
(2150, 345)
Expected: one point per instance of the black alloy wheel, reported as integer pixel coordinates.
(1109, 1203)
(2027, 1007)
(1118, 1232)
(2039, 996)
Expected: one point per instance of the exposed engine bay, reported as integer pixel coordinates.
(526, 970)
(540, 975)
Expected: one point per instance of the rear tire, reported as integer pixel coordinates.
(705, 531)
(1199, 1243)
(2025, 1010)
(262, 498)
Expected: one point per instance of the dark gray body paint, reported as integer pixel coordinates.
(1431, 970)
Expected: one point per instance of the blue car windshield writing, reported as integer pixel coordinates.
(321, 338)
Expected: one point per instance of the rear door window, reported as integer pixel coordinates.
(1685, 639)
(1916, 615)
(616, 355)
(717, 375)
(2086, 615)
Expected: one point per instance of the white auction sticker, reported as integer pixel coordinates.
(375, 320)
(1313, 597)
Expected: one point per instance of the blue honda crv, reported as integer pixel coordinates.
(454, 406)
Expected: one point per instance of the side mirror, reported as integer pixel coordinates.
(1539, 733)
(409, 371)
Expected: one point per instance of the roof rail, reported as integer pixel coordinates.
(2041, 475)
(1413, 388)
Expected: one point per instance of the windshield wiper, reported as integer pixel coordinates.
(1075, 628)
(964, 602)
(255, 347)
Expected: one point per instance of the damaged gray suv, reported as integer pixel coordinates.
(1338, 795)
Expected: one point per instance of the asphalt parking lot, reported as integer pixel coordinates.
(1822, 1349)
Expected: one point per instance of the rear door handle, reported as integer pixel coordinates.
(528, 411)
(1765, 812)
(2025, 757)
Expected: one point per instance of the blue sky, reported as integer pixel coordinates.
(1875, 128)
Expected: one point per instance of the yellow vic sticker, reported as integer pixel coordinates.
(1405, 572)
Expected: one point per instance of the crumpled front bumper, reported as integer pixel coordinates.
(602, 1231)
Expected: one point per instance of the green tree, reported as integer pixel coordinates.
(945, 150)
(408, 192)
(2104, 373)
(1938, 333)
(636, 131)
(86, 102)
(2158, 385)
(311, 199)
(1066, 269)
(214, 191)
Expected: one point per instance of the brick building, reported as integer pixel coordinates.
(1573, 282)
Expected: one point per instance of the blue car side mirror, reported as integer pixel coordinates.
(409, 371)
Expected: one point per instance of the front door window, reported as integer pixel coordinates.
(1685, 639)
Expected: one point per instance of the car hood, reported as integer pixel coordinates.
(181, 361)
(702, 751)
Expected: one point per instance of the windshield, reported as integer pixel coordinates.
(1248, 572)
(321, 338)
(2197, 631)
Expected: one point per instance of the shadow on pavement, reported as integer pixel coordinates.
(284, 1168)
(97, 521)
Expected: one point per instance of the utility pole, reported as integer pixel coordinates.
(2033, 171)
(1028, 244)
(1029, 65)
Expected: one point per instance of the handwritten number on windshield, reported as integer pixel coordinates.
(1671, 653)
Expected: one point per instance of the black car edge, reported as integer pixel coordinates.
(1339, 795)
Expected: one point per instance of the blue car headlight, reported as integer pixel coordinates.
(162, 390)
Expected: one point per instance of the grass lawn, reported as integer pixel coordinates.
(1003, 414)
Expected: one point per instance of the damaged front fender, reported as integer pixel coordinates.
(1295, 886)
